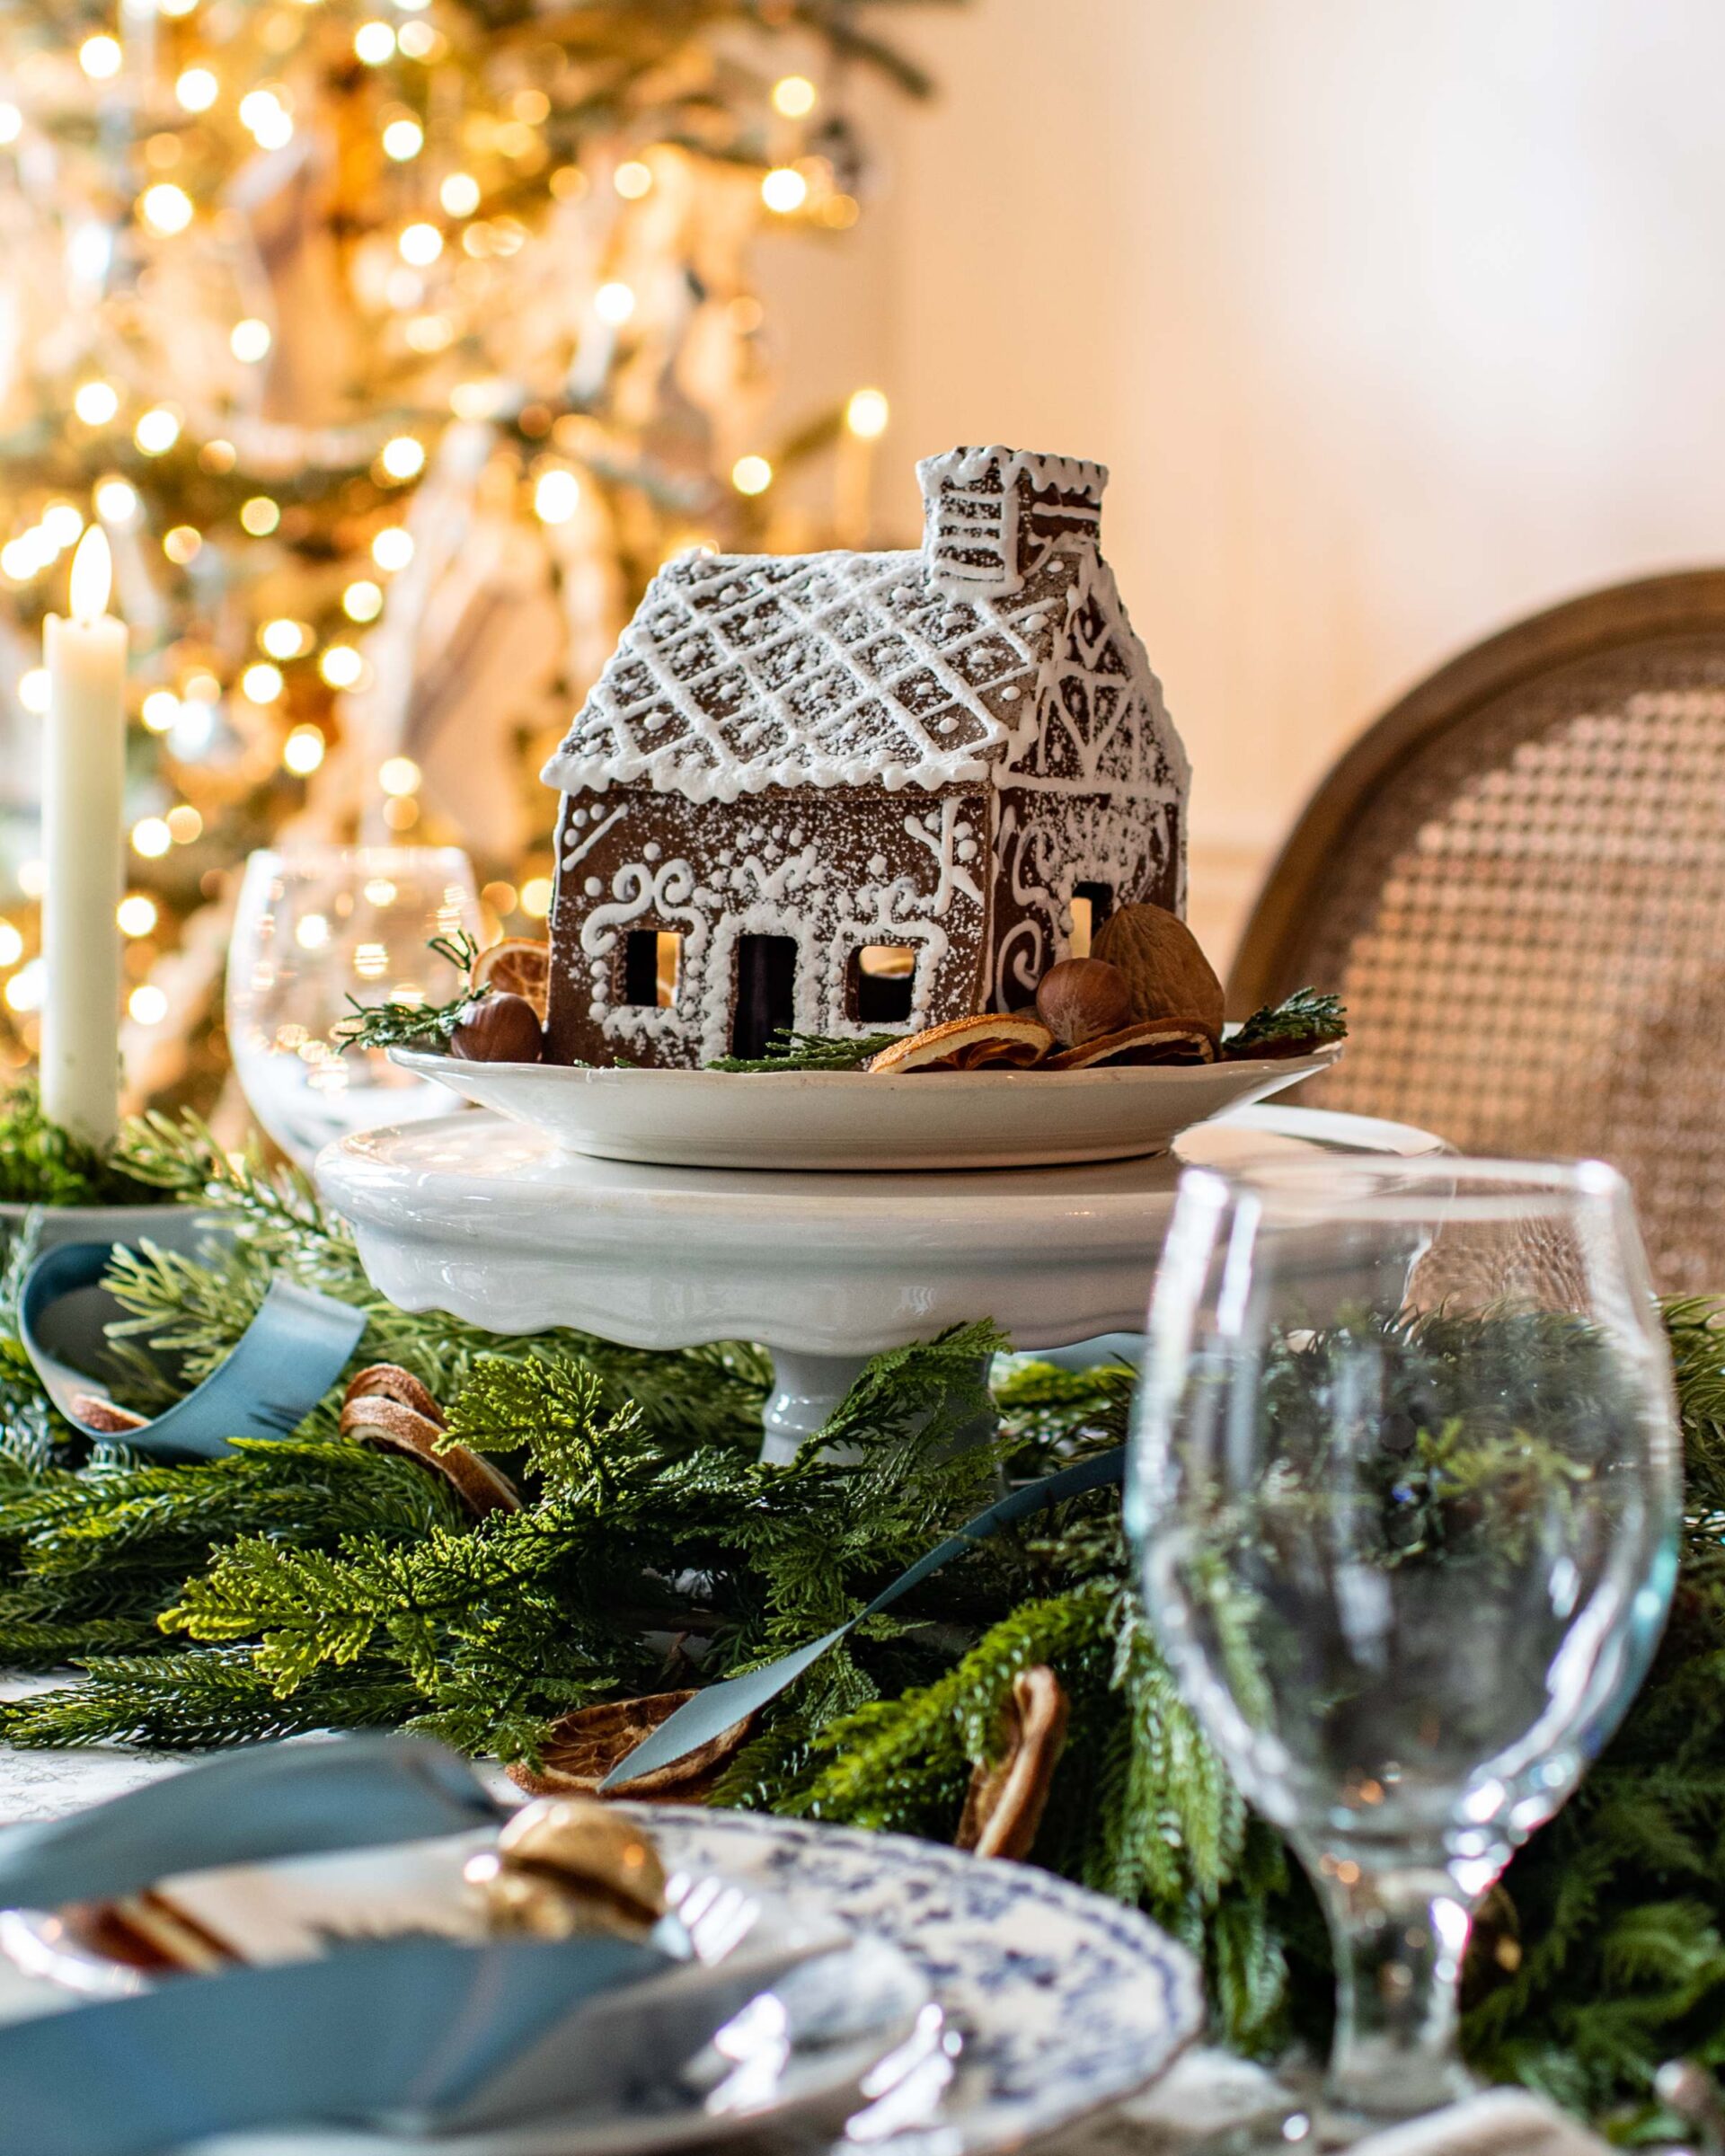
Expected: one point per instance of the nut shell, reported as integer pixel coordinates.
(567, 1864)
(1167, 973)
(498, 1028)
(1081, 998)
(587, 1742)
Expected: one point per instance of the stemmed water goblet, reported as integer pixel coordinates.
(1404, 1485)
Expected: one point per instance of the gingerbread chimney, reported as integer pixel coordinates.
(993, 515)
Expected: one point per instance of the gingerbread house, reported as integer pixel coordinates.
(862, 792)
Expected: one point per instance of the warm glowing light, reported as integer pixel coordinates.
(751, 475)
(157, 431)
(404, 458)
(19, 558)
(95, 402)
(12, 944)
(459, 194)
(147, 1004)
(261, 682)
(151, 837)
(250, 340)
(101, 58)
(633, 179)
(399, 775)
(393, 548)
(34, 691)
(794, 95)
(784, 189)
(259, 515)
(420, 244)
(161, 709)
(283, 639)
(24, 989)
(312, 931)
(196, 89)
(116, 500)
(183, 544)
(166, 208)
(271, 125)
(501, 897)
(302, 751)
(419, 41)
(362, 601)
(402, 139)
(867, 414)
(135, 914)
(557, 496)
(613, 302)
(32, 878)
(184, 824)
(341, 666)
(63, 522)
(92, 576)
(11, 124)
(374, 42)
(535, 896)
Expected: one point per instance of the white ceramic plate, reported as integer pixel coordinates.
(846, 1120)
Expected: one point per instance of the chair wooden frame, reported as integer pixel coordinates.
(1269, 963)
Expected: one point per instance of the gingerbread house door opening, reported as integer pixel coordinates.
(766, 992)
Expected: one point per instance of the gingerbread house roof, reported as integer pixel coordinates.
(742, 672)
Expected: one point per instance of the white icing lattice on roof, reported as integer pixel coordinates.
(741, 672)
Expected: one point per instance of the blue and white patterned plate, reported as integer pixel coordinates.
(1062, 2001)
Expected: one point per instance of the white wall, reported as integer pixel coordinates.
(1395, 319)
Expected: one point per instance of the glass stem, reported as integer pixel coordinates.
(1400, 1937)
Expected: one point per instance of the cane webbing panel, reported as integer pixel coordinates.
(1526, 921)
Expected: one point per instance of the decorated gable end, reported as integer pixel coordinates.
(862, 792)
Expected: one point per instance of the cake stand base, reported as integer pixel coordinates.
(488, 1220)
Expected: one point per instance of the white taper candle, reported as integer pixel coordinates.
(82, 785)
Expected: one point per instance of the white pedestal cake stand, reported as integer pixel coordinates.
(488, 1220)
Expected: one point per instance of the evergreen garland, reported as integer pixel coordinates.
(313, 1583)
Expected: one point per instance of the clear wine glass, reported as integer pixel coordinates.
(1405, 1484)
(315, 926)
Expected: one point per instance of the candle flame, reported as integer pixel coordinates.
(92, 576)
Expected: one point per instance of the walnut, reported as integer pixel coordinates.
(1082, 998)
(566, 1866)
(1168, 975)
(1007, 1800)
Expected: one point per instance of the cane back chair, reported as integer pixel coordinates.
(1515, 880)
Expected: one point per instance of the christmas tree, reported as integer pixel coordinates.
(394, 346)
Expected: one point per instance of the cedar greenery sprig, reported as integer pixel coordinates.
(791, 1051)
(424, 1026)
(1305, 1016)
(43, 1163)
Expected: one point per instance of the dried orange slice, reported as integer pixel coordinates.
(964, 1043)
(1151, 1040)
(518, 966)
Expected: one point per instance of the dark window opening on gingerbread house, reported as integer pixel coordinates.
(766, 992)
(1092, 904)
(650, 959)
(882, 978)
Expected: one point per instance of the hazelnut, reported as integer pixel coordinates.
(1081, 998)
(1167, 973)
(498, 1028)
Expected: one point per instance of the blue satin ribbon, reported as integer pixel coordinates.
(718, 1707)
(283, 1363)
(416, 2032)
